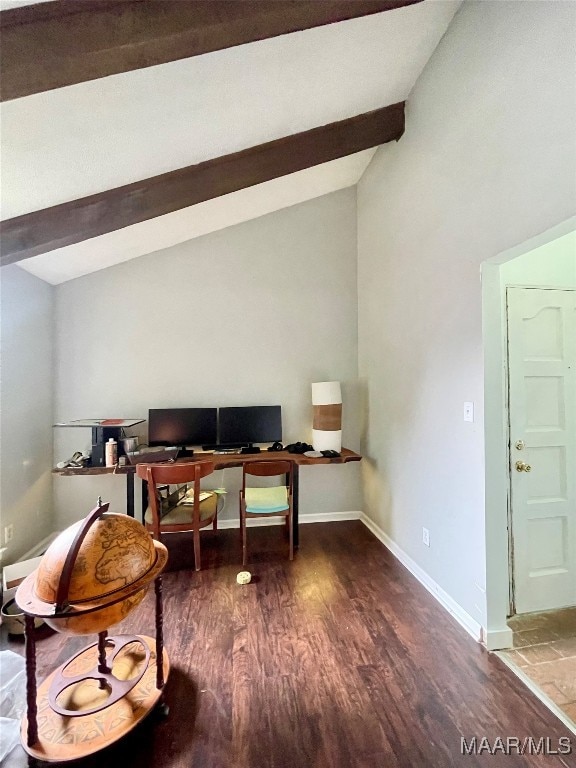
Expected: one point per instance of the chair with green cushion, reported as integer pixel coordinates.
(186, 514)
(274, 501)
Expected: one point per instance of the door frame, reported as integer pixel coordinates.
(496, 435)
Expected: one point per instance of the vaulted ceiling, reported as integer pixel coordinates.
(120, 139)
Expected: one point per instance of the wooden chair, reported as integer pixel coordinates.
(181, 516)
(275, 501)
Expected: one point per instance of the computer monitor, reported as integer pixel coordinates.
(182, 426)
(250, 424)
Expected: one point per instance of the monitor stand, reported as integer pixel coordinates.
(230, 447)
(184, 452)
(250, 449)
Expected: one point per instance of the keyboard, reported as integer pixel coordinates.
(152, 456)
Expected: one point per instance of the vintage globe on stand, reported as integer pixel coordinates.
(93, 574)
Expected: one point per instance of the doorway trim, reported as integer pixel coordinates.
(497, 490)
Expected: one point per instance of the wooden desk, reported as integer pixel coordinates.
(129, 471)
(221, 461)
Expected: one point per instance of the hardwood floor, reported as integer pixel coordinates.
(339, 659)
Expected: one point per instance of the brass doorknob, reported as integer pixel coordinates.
(521, 466)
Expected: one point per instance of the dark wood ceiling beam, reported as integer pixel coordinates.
(54, 44)
(77, 220)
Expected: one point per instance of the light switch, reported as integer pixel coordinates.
(468, 411)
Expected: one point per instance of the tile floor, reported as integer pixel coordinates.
(545, 650)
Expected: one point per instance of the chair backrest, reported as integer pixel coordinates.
(268, 469)
(174, 474)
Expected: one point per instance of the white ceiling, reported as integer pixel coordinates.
(79, 259)
(74, 141)
(7, 4)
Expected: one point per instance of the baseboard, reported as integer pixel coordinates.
(498, 639)
(320, 517)
(462, 617)
(330, 517)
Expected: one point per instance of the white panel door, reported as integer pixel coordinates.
(542, 409)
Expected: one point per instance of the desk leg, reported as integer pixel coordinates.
(130, 494)
(295, 497)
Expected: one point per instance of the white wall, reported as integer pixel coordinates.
(552, 265)
(26, 409)
(249, 315)
(488, 160)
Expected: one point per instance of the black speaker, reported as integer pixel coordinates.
(103, 434)
(98, 455)
(100, 436)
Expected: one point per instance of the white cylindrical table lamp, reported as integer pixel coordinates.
(327, 420)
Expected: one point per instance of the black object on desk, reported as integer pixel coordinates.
(153, 455)
(298, 447)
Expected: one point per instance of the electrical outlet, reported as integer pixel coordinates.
(426, 536)
(8, 533)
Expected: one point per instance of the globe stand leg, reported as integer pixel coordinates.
(162, 708)
(31, 704)
(159, 632)
(102, 666)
